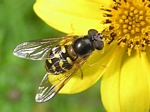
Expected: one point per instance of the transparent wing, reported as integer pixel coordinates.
(39, 49)
(48, 90)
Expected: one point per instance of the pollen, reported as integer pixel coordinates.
(129, 24)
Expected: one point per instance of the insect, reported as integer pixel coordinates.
(63, 56)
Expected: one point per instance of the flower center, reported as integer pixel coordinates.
(129, 24)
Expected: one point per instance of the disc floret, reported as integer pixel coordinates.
(129, 24)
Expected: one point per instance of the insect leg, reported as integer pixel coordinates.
(80, 71)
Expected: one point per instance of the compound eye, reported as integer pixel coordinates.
(92, 32)
(99, 45)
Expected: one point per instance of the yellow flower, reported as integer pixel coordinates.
(125, 25)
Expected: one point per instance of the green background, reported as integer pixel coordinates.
(20, 78)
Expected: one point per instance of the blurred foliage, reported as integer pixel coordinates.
(20, 78)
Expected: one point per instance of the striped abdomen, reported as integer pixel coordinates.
(60, 61)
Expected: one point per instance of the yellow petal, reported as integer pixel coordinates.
(134, 87)
(127, 90)
(71, 16)
(146, 67)
(110, 82)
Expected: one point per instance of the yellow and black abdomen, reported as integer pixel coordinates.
(59, 61)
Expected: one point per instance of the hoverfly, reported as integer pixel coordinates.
(63, 56)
